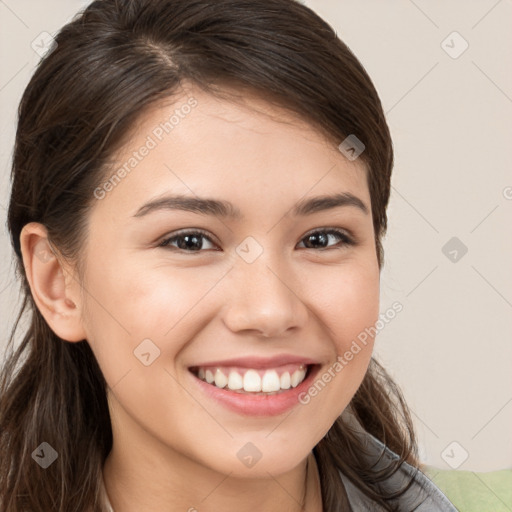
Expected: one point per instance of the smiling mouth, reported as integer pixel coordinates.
(253, 381)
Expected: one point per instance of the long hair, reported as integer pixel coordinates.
(110, 64)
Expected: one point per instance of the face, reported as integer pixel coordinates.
(262, 294)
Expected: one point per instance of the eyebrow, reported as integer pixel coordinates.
(225, 209)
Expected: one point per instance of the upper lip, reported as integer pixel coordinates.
(259, 362)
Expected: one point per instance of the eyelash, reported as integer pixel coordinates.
(341, 235)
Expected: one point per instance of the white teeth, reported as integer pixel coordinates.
(252, 381)
(270, 381)
(235, 380)
(297, 377)
(220, 379)
(285, 380)
(209, 376)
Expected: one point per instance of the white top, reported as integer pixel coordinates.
(106, 501)
(422, 496)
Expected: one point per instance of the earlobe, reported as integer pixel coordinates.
(57, 300)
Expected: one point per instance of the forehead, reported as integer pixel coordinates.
(239, 149)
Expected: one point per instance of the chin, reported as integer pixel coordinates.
(263, 453)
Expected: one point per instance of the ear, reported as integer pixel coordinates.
(54, 289)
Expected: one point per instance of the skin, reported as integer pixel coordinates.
(174, 448)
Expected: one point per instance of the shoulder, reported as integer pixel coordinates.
(421, 496)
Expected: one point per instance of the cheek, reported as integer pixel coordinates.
(127, 304)
(138, 321)
(358, 309)
(348, 301)
(358, 312)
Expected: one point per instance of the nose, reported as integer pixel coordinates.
(265, 299)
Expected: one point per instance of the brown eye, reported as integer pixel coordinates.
(187, 241)
(193, 241)
(320, 239)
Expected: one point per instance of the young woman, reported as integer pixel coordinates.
(198, 200)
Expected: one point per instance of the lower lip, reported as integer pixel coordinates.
(258, 405)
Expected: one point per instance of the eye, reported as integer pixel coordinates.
(192, 241)
(322, 236)
(188, 241)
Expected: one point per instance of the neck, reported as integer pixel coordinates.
(192, 488)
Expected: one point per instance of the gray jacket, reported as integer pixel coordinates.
(422, 495)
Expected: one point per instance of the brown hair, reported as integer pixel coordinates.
(110, 64)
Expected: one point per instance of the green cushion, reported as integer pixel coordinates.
(474, 492)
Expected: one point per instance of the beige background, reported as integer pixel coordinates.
(451, 120)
